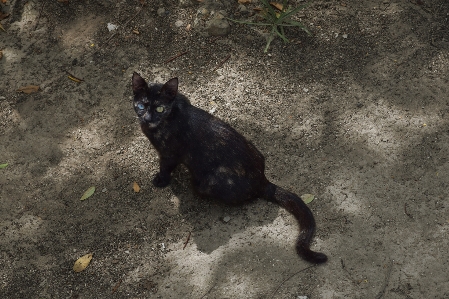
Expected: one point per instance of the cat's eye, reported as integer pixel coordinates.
(140, 106)
(160, 109)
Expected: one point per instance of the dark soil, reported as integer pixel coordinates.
(356, 114)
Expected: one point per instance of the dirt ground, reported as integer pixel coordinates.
(356, 114)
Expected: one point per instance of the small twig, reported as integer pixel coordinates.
(385, 284)
(272, 294)
(115, 288)
(176, 56)
(214, 39)
(187, 241)
(126, 23)
(221, 63)
(39, 15)
(208, 292)
(343, 266)
(405, 211)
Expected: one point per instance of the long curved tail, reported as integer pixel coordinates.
(292, 203)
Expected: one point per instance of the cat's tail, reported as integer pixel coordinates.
(292, 203)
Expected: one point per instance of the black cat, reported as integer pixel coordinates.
(222, 163)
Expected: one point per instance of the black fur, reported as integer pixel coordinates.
(223, 164)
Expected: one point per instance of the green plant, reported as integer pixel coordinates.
(277, 18)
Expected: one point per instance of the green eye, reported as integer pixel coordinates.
(160, 109)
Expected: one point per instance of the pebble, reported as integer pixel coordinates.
(161, 12)
(179, 23)
(111, 27)
(242, 9)
(226, 219)
(185, 3)
(218, 27)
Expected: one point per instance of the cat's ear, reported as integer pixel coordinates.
(170, 88)
(138, 83)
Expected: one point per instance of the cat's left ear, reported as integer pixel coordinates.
(138, 83)
(170, 88)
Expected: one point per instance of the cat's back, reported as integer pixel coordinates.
(210, 136)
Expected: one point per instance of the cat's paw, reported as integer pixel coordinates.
(160, 181)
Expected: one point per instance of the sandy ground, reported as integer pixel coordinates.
(356, 114)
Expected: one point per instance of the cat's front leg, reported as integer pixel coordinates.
(166, 166)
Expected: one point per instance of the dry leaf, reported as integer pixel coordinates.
(4, 1)
(136, 187)
(75, 79)
(28, 89)
(135, 31)
(82, 262)
(277, 5)
(1, 27)
(307, 198)
(3, 15)
(88, 193)
(244, 1)
(1, 54)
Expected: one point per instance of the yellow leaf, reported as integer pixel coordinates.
(82, 262)
(28, 89)
(307, 198)
(277, 5)
(88, 193)
(75, 79)
(136, 187)
(244, 1)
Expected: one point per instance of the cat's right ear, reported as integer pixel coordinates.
(138, 83)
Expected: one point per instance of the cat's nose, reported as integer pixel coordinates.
(147, 117)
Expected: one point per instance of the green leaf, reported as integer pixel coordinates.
(3, 165)
(292, 12)
(307, 198)
(270, 9)
(88, 193)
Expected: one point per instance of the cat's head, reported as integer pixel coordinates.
(153, 104)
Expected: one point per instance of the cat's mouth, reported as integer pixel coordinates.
(150, 125)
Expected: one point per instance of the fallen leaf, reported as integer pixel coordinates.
(3, 165)
(82, 262)
(88, 193)
(136, 187)
(307, 198)
(4, 1)
(135, 31)
(75, 79)
(277, 5)
(1, 27)
(1, 54)
(28, 89)
(3, 15)
(244, 1)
